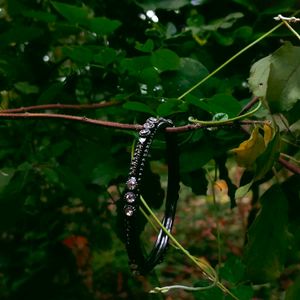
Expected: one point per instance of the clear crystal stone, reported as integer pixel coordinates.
(149, 125)
(152, 120)
(130, 197)
(144, 132)
(131, 183)
(142, 140)
(129, 211)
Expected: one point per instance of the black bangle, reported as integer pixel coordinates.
(140, 264)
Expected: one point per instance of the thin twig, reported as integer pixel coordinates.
(291, 167)
(60, 106)
(289, 19)
(117, 125)
(249, 105)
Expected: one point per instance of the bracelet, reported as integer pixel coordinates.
(139, 264)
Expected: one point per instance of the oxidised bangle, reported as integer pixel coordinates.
(139, 263)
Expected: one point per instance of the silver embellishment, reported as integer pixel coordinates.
(144, 132)
(142, 140)
(131, 183)
(130, 197)
(129, 210)
(152, 120)
(149, 125)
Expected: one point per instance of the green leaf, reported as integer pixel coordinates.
(26, 88)
(243, 33)
(105, 56)
(149, 76)
(196, 157)
(276, 78)
(268, 238)
(223, 23)
(259, 74)
(146, 47)
(78, 54)
(196, 180)
(40, 15)
(74, 14)
(190, 71)
(165, 60)
(163, 4)
(242, 292)
(135, 65)
(283, 82)
(20, 34)
(51, 92)
(138, 106)
(219, 103)
(233, 269)
(170, 106)
(103, 26)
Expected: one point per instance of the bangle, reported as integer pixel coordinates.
(139, 263)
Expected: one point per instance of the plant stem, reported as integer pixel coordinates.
(290, 157)
(222, 122)
(291, 28)
(213, 277)
(229, 61)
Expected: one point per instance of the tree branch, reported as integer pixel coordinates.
(291, 167)
(179, 129)
(60, 106)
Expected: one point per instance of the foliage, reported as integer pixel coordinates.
(60, 181)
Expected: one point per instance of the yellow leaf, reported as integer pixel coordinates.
(249, 150)
(268, 134)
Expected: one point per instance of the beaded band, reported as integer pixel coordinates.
(140, 264)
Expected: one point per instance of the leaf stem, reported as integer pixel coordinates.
(221, 122)
(291, 29)
(229, 61)
(206, 269)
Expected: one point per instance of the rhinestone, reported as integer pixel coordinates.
(142, 140)
(144, 132)
(152, 120)
(131, 183)
(130, 197)
(149, 125)
(129, 210)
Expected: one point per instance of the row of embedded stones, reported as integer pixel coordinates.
(138, 163)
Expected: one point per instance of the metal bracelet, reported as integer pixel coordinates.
(139, 263)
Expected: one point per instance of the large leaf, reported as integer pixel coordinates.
(74, 14)
(268, 238)
(165, 59)
(277, 78)
(103, 26)
(78, 54)
(219, 103)
(190, 71)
